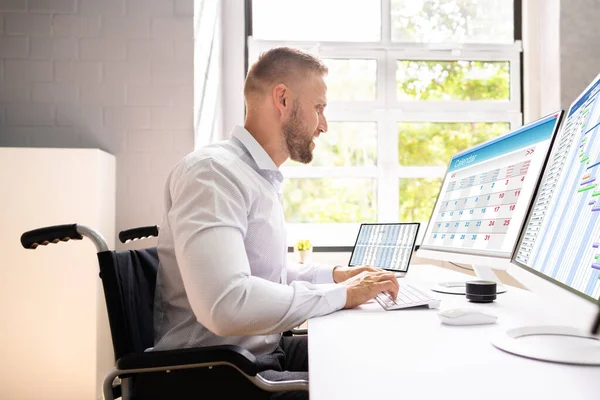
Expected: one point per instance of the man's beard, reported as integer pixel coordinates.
(297, 138)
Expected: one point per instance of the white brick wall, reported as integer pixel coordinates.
(13, 5)
(102, 49)
(127, 27)
(76, 26)
(14, 91)
(171, 28)
(27, 24)
(14, 47)
(131, 72)
(127, 117)
(18, 114)
(78, 71)
(113, 74)
(153, 8)
(145, 50)
(53, 6)
(184, 8)
(54, 92)
(28, 70)
(104, 7)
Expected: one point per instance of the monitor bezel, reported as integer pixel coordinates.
(513, 259)
(387, 223)
(481, 253)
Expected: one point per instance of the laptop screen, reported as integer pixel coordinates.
(387, 246)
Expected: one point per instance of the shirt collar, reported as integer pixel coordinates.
(260, 156)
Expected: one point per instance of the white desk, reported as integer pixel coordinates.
(369, 353)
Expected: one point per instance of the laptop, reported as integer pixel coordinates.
(387, 246)
(390, 246)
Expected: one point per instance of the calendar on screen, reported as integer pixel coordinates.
(487, 191)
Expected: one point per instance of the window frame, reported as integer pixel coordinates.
(386, 111)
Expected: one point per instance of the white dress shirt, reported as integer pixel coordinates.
(222, 277)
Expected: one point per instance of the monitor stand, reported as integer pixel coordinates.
(557, 344)
(483, 272)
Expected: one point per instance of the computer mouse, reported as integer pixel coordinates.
(466, 316)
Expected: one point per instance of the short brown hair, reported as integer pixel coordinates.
(279, 65)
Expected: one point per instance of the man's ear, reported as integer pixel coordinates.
(281, 98)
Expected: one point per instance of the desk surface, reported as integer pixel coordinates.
(366, 353)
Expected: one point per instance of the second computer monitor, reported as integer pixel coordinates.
(485, 196)
(561, 239)
(559, 249)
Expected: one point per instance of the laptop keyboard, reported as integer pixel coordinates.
(408, 296)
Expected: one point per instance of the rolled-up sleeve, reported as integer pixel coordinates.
(314, 273)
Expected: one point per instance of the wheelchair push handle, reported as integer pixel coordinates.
(62, 233)
(142, 232)
(50, 234)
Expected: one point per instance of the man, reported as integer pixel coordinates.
(223, 276)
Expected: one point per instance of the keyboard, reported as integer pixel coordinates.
(408, 296)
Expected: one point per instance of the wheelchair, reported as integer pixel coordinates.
(128, 280)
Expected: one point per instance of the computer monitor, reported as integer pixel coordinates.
(560, 240)
(484, 199)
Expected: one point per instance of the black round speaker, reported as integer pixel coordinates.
(481, 291)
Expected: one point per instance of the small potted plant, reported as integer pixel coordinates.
(303, 248)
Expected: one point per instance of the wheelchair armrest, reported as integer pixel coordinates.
(241, 358)
(141, 232)
(50, 234)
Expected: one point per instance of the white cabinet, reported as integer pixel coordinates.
(54, 336)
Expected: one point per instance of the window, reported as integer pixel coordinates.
(410, 83)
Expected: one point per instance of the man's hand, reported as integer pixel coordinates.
(367, 284)
(340, 274)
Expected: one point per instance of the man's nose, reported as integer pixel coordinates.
(323, 125)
